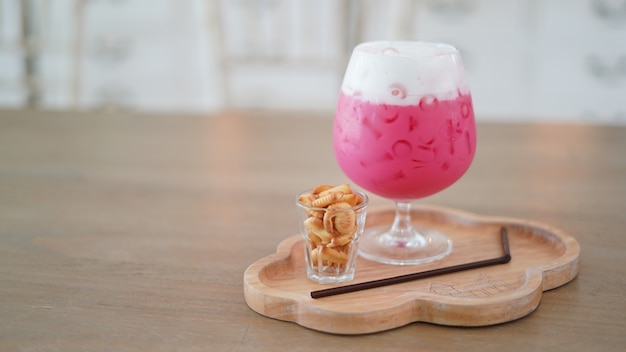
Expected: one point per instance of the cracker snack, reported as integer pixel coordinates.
(331, 223)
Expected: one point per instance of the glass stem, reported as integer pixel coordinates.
(402, 227)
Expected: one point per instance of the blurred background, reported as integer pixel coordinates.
(547, 60)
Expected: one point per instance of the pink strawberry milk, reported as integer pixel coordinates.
(404, 131)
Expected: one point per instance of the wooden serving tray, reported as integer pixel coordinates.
(543, 258)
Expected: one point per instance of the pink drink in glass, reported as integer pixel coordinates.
(404, 130)
(405, 152)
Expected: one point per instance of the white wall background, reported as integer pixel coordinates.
(549, 60)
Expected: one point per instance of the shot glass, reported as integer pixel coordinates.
(331, 236)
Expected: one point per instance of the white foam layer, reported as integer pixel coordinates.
(401, 73)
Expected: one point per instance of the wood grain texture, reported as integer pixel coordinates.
(122, 231)
(543, 258)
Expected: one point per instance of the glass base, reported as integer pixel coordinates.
(416, 246)
(328, 275)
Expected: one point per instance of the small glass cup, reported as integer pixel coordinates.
(331, 238)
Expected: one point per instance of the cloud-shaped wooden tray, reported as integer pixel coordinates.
(543, 258)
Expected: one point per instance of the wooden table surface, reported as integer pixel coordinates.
(132, 232)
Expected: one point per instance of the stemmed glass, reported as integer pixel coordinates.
(404, 129)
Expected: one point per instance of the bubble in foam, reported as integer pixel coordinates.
(398, 90)
(390, 51)
(428, 102)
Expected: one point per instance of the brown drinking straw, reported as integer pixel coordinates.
(419, 275)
